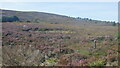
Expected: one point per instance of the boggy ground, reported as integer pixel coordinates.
(44, 44)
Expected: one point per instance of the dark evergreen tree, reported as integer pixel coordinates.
(114, 24)
(9, 18)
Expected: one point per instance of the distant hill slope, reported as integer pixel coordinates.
(31, 16)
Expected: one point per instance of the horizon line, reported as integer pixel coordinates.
(55, 14)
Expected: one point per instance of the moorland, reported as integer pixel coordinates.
(45, 39)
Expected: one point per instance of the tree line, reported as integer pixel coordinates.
(9, 19)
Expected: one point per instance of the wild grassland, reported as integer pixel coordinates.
(40, 44)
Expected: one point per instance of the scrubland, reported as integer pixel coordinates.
(46, 44)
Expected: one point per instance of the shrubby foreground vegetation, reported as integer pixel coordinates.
(40, 44)
(57, 40)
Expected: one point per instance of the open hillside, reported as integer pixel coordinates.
(32, 16)
(44, 39)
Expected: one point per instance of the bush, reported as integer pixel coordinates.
(68, 58)
(51, 60)
(98, 63)
(99, 53)
(10, 18)
(112, 58)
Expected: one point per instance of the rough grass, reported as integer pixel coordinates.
(32, 48)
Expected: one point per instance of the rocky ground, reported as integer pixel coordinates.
(58, 45)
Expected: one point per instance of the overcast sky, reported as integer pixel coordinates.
(106, 11)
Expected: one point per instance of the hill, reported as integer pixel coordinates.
(45, 39)
(33, 16)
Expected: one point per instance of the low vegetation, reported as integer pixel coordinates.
(44, 39)
(41, 44)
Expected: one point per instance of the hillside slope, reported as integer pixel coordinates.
(33, 16)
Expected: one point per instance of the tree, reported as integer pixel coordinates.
(10, 18)
(15, 18)
(114, 24)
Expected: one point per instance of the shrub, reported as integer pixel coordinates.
(9, 18)
(99, 52)
(98, 63)
(68, 58)
(112, 58)
(51, 60)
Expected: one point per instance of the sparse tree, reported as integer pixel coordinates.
(114, 24)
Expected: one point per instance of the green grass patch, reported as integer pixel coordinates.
(83, 52)
(55, 31)
(99, 62)
(51, 60)
(99, 53)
